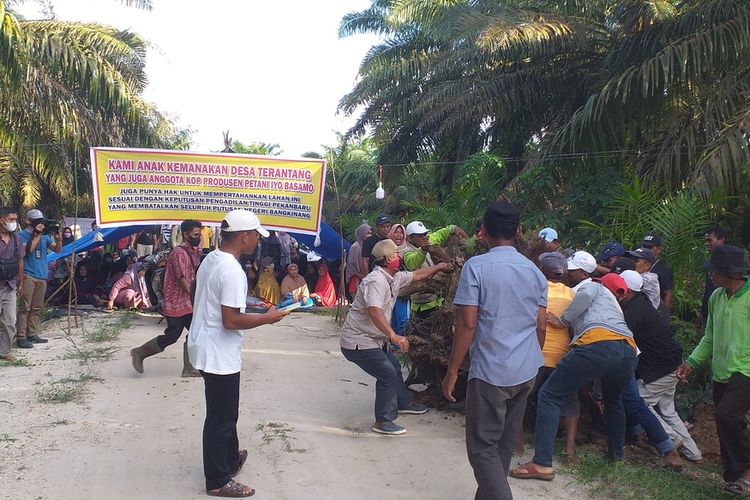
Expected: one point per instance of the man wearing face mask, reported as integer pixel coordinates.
(367, 334)
(35, 269)
(11, 278)
(182, 265)
(215, 348)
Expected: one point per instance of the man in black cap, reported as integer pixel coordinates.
(652, 241)
(382, 226)
(727, 345)
(644, 259)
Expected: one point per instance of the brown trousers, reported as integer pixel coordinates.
(29, 306)
(732, 402)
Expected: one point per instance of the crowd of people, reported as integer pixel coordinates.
(542, 332)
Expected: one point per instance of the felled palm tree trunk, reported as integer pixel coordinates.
(431, 339)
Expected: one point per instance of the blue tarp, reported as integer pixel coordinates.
(88, 242)
(330, 241)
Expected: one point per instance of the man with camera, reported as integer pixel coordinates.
(36, 237)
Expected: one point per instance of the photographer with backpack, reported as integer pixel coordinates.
(11, 278)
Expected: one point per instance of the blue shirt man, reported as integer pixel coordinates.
(35, 270)
(35, 262)
(501, 316)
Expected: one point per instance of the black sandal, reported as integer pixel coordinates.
(232, 489)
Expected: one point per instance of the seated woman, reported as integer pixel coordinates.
(130, 290)
(86, 290)
(294, 284)
(325, 290)
(268, 288)
(108, 271)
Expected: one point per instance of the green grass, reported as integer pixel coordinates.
(67, 389)
(94, 354)
(17, 362)
(109, 332)
(274, 431)
(5, 438)
(642, 479)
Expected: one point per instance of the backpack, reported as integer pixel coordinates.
(9, 267)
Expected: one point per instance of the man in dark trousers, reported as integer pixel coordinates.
(501, 309)
(179, 276)
(726, 344)
(215, 348)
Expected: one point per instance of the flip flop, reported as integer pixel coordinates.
(232, 489)
(243, 456)
(529, 471)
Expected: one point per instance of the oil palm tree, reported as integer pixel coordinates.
(65, 87)
(660, 86)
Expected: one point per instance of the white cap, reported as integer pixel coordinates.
(416, 227)
(633, 280)
(242, 220)
(548, 234)
(582, 260)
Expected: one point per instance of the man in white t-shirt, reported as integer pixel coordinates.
(215, 348)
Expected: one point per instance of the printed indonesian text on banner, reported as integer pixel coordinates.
(136, 186)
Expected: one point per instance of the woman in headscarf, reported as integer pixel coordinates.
(130, 290)
(354, 271)
(400, 315)
(325, 290)
(311, 275)
(86, 290)
(398, 235)
(268, 288)
(67, 236)
(294, 283)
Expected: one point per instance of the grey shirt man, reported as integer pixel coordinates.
(508, 290)
(378, 289)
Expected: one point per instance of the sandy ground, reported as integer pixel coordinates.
(305, 417)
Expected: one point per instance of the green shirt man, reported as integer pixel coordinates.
(416, 257)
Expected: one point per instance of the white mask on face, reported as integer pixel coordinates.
(12, 226)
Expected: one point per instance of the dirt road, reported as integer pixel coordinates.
(305, 417)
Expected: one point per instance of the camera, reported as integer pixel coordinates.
(50, 227)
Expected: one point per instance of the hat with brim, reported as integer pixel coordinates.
(727, 259)
(641, 253)
(553, 263)
(614, 283)
(242, 220)
(384, 249)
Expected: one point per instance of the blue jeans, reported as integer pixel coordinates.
(637, 412)
(611, 361)
(390, 391)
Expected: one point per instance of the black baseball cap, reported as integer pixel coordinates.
(642, 253)
(622, 264)
(651, 240)
(382, 219)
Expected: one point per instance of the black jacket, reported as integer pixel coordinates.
(660, 354)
